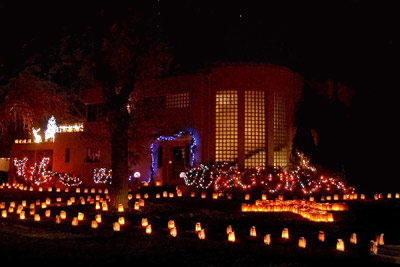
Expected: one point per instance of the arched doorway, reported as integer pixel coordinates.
(172, 155)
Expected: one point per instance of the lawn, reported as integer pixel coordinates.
(48, 243)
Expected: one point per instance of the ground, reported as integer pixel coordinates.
(49, 243)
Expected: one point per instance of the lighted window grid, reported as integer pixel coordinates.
(280, 131)
(180, 100)
(254, 129)
(226, 124)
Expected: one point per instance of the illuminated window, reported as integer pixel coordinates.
(280, 131)
(181, 100)
(226, 124)
(254, 129)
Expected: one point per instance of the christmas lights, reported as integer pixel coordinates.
(303, 180)
(38, 137)
(102, 176)
(68, 128)
(38, 174)
(171, 138)
(69, 180)
(51, 129)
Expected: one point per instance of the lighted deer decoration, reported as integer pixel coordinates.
(38, 138)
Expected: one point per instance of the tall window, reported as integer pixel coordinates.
(226, 136)
(280, 131)
(180, 100)
(254, 129)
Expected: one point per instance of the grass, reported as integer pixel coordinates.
(48, 243)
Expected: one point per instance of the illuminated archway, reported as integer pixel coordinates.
(171, 138)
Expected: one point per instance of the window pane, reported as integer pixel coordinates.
(280, 131)
(180, 100)
(226, 135)
(254, 133)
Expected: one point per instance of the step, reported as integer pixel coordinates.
(389, 254)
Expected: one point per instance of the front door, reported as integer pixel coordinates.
(178, 163)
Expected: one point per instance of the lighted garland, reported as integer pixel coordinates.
(221, 176)
(171, 138)
(20, 166)
(38, 174)
(69, 180)
(102, 176)
(201, 176)
(302, 181)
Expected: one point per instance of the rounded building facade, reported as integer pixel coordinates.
(240, 113)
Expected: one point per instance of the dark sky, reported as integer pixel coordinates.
(340, 39)
(355, 42)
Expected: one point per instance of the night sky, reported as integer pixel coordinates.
(354, 42)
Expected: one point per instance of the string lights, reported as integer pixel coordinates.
(102, 176)
(69, 180)
(52, 129)
(38, 137)
(171, 138)
(303, 180)
(70, 128)
(38, 174)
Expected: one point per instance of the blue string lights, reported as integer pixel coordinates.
(172, 138)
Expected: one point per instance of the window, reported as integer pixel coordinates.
(254, 129)
(95, 112)
(226, 136)
(280, 131)
(67, 155)
(180, 100)
(93, 155)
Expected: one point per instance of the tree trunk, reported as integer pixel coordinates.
(119, 153)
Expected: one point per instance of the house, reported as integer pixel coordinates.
(241, 113)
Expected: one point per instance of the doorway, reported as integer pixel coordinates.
(178, 163)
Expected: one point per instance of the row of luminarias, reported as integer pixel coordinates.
(316, 212)
(203, 195)
(101, 203)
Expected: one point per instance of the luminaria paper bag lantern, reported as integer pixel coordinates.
(285, 233)
(340, 245)
(267, 239)
(302, 242)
